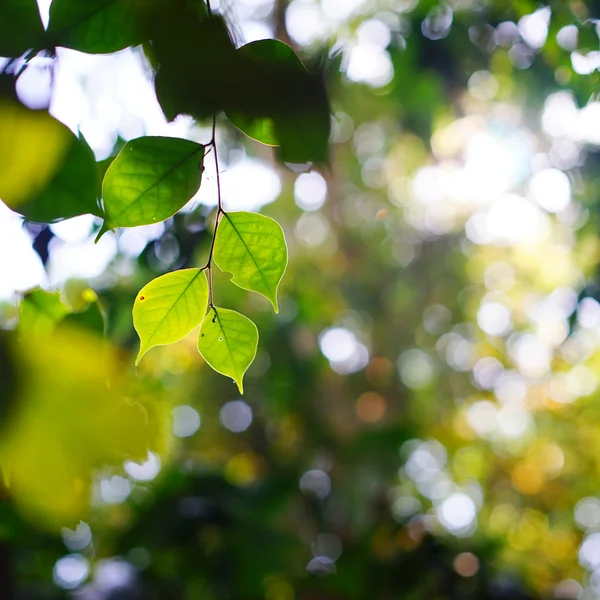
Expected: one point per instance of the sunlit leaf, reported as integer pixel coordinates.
(40, 311)
(48, 174)
(95, 26)
(76, 410)
(252, 248)
(283, 104)
(228, 342)
(150, 180)
(169, 307)
(21, 27)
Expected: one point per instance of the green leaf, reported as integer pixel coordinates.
(196, 58)
(228, 342)
(48, 173)
(21, 27)
(40, 311)
(95, 26)
(169, 307)
(282, 103)
(252, 248)
(150, 180)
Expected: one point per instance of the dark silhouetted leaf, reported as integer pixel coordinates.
(21, 27)
(95, 26)
(281, 104)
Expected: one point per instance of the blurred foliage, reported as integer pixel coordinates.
(422, 417)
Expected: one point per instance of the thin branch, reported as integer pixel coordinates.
(220, 212)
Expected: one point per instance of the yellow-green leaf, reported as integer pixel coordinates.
(169, 307)
(228, 342)
(150, 180)
(252, 248)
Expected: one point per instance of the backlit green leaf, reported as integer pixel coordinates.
(40, 311)
(48, 173)
(21, 27)
(150, 180)
(95, 26)
(252, 248)
(169, 307)
(228, 342)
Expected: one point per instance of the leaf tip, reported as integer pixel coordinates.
(104, 229)
(140, 355)
(240, 385)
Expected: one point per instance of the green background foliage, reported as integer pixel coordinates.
(420, 419)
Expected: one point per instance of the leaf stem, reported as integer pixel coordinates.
(220, 212)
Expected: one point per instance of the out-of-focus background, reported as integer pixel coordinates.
(423, 416)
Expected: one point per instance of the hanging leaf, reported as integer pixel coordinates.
(196, 61)
(150, 180)
(95, 26)
(283, 104)
(169, 307)
(21, 27)
(228, 342)
(252, 248)
(48, 174)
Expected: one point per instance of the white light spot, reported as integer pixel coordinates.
(551, 189)
(416, 368)
(145, 471)
(482, 417)
(236, 416)
(457, 514)
(70, 571)
(589, 552)
(437, 23)
(560, 114)
(531, 355)
(494, 318)
(585, 64)
(534, 27)
(316, 483)
(80, 260)
(305, 22)
(588, 313)
(312, 230)
(587, 513)
(76, 229)
(486, 372)
(249, 185)
(374, 32)
(340, 346)
(113, 574)
(567, 37)
(77, 539)
(186, 421)
(371, 65)
(589, 123)
(115, 490)
(25, 269)
(513, 420)
(483, 86)
(310, 191)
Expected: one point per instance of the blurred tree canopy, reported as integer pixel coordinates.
(421, 417)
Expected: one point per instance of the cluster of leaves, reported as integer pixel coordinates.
(263, 88)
